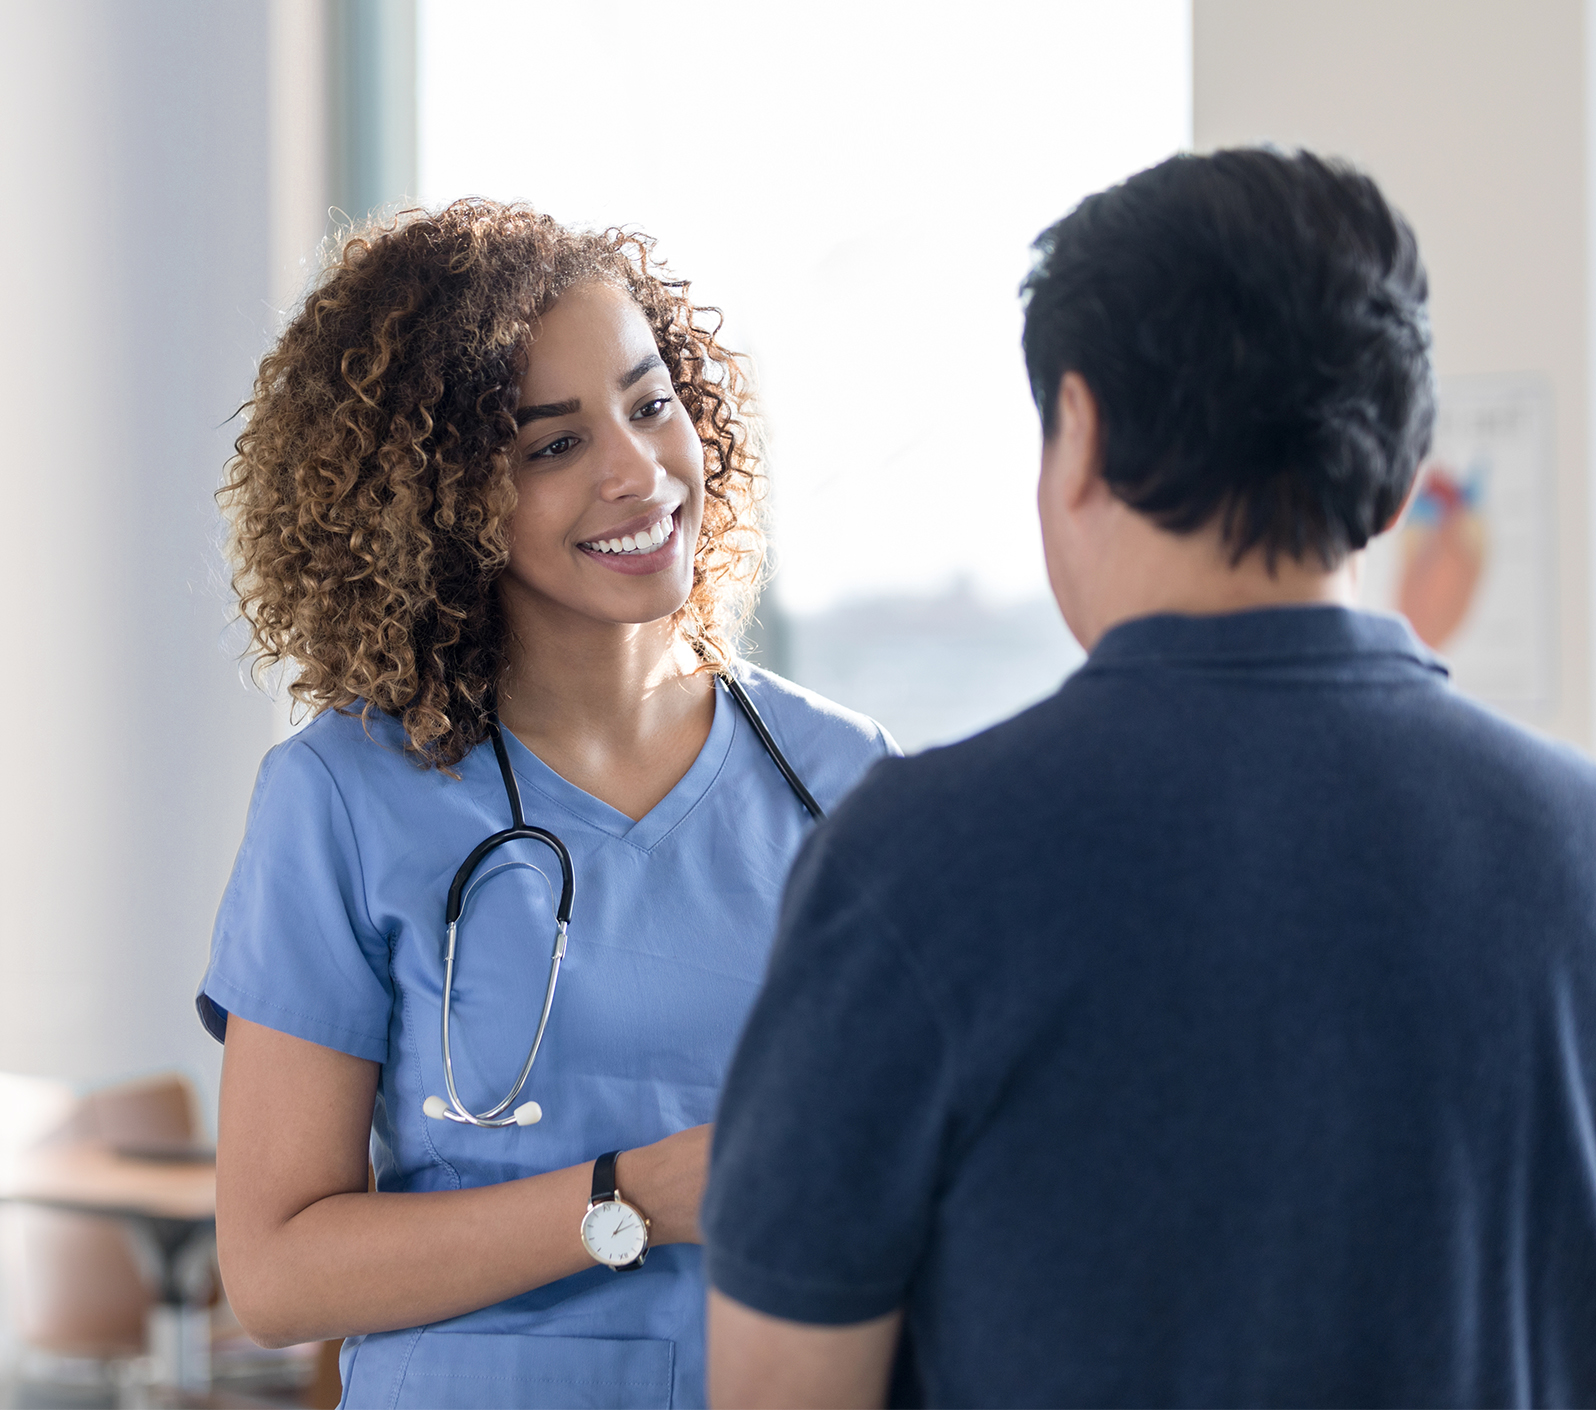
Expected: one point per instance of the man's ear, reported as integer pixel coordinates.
(1080, 459)
(1407, 499)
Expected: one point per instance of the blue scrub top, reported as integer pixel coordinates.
(331, 929)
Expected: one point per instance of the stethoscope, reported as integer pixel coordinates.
(529, 1113)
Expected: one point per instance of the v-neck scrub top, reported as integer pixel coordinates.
(331, 929)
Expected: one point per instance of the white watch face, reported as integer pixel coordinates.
(614, 1233)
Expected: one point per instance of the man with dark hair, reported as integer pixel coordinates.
(1222, 1030)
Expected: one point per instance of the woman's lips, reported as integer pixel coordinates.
(637, 561)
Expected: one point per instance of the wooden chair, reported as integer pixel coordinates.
(72, 1291)
(75, 1296)
(71, 1284)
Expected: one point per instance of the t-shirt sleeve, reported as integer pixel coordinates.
(831, 1127)
(294, 948)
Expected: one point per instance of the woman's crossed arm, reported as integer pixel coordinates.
(308, 1254)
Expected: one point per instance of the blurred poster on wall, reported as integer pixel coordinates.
(1470, 563)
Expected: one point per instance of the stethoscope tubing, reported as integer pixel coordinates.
(493, 1115)
(529, 1113)
(735, 688)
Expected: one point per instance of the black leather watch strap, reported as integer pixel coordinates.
(604, 1176)
(604, 1189)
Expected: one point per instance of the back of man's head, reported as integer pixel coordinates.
(1253, 328)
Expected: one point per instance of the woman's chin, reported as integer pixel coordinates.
(632, 601)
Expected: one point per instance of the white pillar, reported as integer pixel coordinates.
(1472, 116)
(136, 273)
(371, 46)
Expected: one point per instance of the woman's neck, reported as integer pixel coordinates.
(618, 709)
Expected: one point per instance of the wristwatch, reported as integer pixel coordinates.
(614, 1232)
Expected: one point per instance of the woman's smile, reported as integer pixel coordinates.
(646, 546)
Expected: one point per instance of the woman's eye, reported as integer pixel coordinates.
(553, 448)
(655, 407)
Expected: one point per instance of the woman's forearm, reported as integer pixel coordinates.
(307, 1254)
(358, 1262)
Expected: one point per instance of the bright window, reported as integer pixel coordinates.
(856, 185)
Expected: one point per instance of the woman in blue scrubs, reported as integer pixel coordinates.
(497, 470)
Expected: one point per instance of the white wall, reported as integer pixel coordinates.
(1472, 116)
(136, 277)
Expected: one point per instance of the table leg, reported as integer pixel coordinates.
(177, 1255)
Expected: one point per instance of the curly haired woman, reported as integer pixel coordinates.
(496, 504)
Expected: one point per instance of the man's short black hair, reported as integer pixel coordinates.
(1253, 328)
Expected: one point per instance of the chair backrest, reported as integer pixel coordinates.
(153, 1111)
(70, 1282)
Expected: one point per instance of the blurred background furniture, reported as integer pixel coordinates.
(75, 1300)
(107, 1254)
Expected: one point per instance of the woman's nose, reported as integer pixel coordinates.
(630, 468)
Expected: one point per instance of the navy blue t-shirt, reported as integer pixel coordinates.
(1220, 1031)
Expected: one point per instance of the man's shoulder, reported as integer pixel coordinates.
(1510, 743)
(928, 801)
(1057, 726)
(1083, 747)
(1481, 757)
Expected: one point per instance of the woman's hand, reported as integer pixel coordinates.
(666, 1181)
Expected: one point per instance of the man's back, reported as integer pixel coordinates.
(1226, 1026)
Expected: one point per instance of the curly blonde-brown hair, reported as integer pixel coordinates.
(370, 497)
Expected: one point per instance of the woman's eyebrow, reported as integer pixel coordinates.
(542, 410)
(647, 365)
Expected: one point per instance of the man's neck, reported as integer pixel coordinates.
(1151, 571)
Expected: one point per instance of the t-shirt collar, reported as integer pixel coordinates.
(1290, 634)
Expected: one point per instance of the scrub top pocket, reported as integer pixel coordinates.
(505, 1371)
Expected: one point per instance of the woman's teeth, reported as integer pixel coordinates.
(645, 542)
